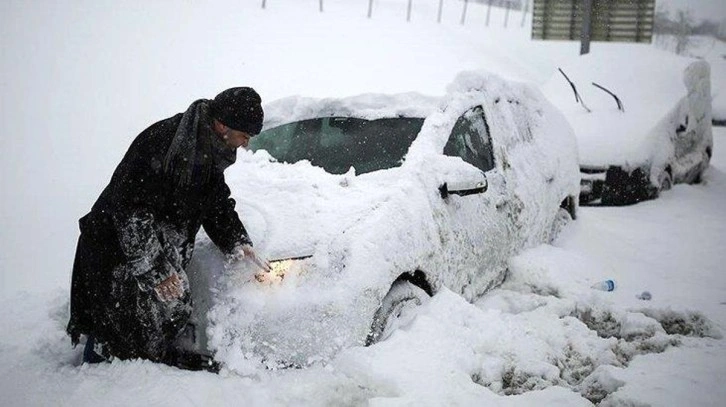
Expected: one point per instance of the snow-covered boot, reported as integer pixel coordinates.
(95, 352)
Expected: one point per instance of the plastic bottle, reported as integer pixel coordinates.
(645, 296)
(606, 285)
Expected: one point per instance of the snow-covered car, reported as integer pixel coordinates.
(370, 204)
(642, 118)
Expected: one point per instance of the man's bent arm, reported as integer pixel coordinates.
(221, 221)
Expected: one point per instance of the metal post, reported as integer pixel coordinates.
(506, 15)
(608, 19)
(408, 13)
(263, 3)
(321, 6)
(370, 8)
(586, 32)
(638, 20)
(463, 13)
(525, 9)
(441, 8)
(545, 21)
(573, 17)
(489, 11)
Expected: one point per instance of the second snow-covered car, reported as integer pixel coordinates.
(371, 204)
(642, 118)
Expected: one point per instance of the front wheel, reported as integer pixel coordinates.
(562, 219)
(704, 164)
(397, 309)
(665, 181)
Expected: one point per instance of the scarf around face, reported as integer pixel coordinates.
(222, 154)
(196, 144)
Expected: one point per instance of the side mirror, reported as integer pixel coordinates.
(462, 188)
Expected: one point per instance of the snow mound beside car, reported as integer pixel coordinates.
(538, 334)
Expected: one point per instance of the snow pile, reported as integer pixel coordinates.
(539, 332)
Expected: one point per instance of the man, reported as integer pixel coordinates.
(129, 292)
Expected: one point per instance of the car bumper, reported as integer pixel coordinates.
(615, 186)
(591, 184)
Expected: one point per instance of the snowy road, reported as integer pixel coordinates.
(544, 338)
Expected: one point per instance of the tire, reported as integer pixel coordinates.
(397, 309)
(699, 177)
(562, 219)
(704, 164)
(665, 181)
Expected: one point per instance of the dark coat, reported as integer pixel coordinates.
(141, 230)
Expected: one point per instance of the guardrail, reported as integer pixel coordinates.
(511, 6)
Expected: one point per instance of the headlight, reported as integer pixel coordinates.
(280, 268)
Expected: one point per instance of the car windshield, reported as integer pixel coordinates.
(338, 143)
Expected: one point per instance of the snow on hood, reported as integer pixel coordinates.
(652, 86)
(289, 209)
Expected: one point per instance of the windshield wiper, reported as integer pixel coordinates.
(574, 89)
(617, 99)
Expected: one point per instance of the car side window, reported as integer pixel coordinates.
(471, 141)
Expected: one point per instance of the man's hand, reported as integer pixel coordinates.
(170, 289)
(249, 253)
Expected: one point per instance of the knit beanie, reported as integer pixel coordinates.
(239, 109)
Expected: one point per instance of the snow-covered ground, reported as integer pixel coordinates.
(544, 338)
(80, 80)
